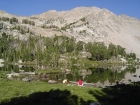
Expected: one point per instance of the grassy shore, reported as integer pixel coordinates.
(14, 89)
(41, 93)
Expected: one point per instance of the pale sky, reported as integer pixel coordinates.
(31, 7)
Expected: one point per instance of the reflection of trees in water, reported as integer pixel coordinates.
(102, 75)
(57, 77)
(94, 75)
(90, 75)
(84, 73)
(131, 69)
(74, 72)
(15, 68)
(98, 74)
(28, 68)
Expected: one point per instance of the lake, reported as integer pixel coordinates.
(100, 76)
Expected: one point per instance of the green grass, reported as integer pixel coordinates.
(10, 89)
(36, 93)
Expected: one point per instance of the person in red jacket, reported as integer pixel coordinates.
(80, 82)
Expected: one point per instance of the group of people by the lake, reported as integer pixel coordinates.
(79, 83)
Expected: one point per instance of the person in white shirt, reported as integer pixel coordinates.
(65, 81)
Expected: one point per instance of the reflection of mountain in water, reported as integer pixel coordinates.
(112, 75)
(133, 77)
(101, 76)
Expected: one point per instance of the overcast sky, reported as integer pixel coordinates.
(31, 7)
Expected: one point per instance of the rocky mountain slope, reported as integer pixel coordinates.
(88, 24)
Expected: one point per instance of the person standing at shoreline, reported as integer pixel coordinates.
(80, 82)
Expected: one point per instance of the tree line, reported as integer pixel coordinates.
(15, 20)
(47, 50)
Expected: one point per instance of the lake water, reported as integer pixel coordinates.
(101, 76)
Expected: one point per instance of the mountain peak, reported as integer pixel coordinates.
(88, 24)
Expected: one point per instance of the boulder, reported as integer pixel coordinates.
(52, 81)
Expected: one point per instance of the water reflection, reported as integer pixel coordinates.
(101, 76)
(110, 76)
(133, 75)
(84, 73)
(16, 68)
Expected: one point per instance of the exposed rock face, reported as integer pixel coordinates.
(88, 24)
